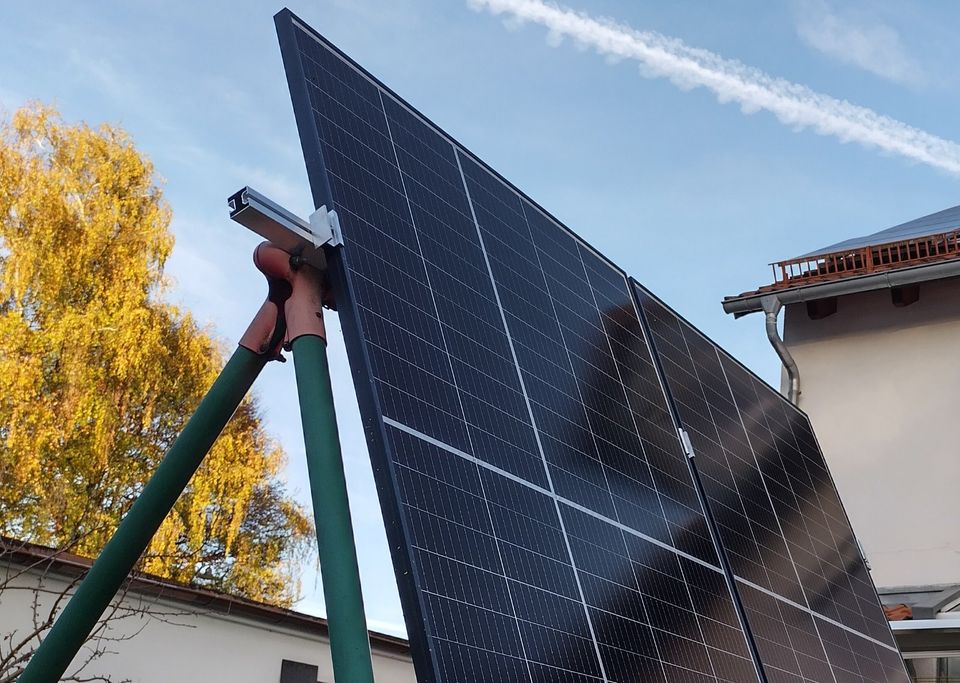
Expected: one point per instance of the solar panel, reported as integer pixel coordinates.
(805, 588)
(544, 520)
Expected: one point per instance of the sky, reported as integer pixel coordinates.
(694, 143)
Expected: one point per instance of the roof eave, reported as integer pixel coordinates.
(926, 637)
(745, 304)
(70, 565)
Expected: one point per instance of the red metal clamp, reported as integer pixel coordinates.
(294, 305)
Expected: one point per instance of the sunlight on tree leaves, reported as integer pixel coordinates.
(98, 373)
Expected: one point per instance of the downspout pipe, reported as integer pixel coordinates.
(771, 309)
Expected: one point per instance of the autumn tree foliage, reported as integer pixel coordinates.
(98, 373)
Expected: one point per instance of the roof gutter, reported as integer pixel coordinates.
(771, 308)
(925, 624)
(753, 302)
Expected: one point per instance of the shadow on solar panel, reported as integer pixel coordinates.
(577, 484)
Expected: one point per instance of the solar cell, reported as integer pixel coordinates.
(545, 522)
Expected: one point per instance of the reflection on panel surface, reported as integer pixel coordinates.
(780, 520)
(544, 520)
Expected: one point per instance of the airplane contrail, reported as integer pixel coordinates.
(730, 80)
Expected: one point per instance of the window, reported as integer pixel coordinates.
(297, 672)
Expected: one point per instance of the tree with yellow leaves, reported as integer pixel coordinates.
(98, 373)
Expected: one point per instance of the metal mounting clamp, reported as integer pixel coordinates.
(325, 224)
(285, 229)
(685, 442)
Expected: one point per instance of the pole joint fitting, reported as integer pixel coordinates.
(294, 305)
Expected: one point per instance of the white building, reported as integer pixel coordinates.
(870, 330)
(166, 632)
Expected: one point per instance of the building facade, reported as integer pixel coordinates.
(160, 631)
(880, 384)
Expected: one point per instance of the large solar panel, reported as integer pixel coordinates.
(545, 521)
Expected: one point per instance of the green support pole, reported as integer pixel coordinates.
(349, 645)
(131, 538)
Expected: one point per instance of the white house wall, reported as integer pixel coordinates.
(881, 386)
(196, 645)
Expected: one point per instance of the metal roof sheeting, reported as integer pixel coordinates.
(941, 221)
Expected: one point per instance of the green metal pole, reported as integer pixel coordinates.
(131, 538)
(349, 645)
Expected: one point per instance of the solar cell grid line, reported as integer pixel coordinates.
(862, 596)
(568, 256)
(648, 560)
(710, 422)
(545, 641)
(814, 522)
(536, 431)
(579, 330)
(428, 208)
(544, 307)
(649, 415)
(434, 408)
(765, 477)
(825, 552)
(620, 322)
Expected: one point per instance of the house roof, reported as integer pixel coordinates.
(68, 564)
(926, 248)
(932, 224)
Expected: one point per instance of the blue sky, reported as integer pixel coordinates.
(691, 195)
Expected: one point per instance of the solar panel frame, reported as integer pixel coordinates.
(376, 425)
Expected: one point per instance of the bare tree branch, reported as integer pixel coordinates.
(25, 567)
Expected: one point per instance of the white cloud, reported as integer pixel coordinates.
(688, 67)
(857, 40)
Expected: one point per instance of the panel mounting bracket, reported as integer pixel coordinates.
(307, 239)
(325, 224)
(685, 442)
